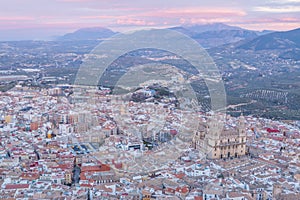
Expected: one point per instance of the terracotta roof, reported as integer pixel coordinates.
(169, 191)
(235, 194)
(270, 130)
(180, 176)
(183, 190)
(97, 168)
(30, 176)
(16, 186)
(86, 185)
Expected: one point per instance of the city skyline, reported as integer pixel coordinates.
(31, 19)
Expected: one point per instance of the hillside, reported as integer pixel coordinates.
(213, 35)
(276, 40)
(96, 33)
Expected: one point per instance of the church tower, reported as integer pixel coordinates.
(242, 126)
(242, 136)
(214, 130)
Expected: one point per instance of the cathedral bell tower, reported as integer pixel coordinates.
(242, 126)
(214, 130)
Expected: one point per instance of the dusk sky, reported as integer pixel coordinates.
(42, 19)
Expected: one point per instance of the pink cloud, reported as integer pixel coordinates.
(290, 19)
(175, 16)
(204, 12)
(285, 23)
(142, 16)
(135, 22)
(99, 17)
(195, 12)
(269, 20)
(168, 17)
(205, 21)
(279, 26)
(73, 1)
(16, 18)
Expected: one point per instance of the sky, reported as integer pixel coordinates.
(45, 19)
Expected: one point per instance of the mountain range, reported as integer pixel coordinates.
(276, 40)
(94, 33)
(208, 35)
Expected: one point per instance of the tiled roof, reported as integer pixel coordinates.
(16, 186)
(97, 168)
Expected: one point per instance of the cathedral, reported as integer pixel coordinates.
(219, 140)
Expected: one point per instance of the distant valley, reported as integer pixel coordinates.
(261, 70)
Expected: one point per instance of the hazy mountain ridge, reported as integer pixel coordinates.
(277, 40)
(208, 35)
(199, 28)
(213, 35)
(217, 38)
(95, 33)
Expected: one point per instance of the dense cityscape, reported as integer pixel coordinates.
(52, 148)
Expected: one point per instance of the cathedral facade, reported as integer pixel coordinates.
(218, 140)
